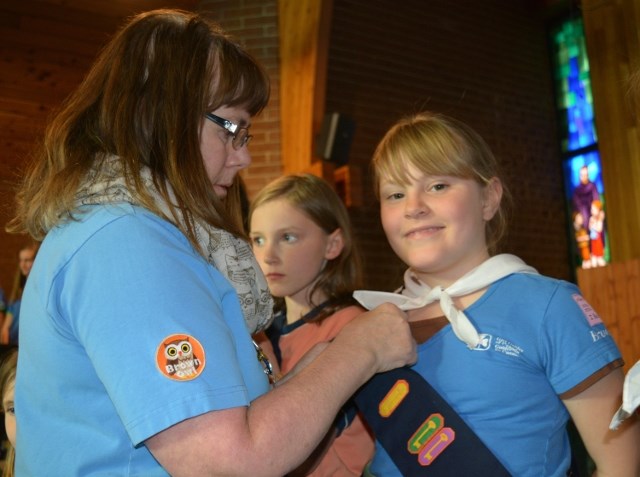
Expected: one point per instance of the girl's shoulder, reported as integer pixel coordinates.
(347, 313)
(340, 317)
(534, 283)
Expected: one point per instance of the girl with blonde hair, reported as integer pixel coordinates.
(506, 356)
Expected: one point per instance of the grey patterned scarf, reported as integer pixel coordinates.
(228, 254)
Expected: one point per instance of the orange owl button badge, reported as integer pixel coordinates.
(180, 357)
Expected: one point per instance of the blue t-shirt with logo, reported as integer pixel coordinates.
(540, 339)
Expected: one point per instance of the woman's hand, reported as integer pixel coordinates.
(385, 334)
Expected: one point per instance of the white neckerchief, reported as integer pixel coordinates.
(417, 294)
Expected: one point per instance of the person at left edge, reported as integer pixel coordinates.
(8, 364)
(9, 331)
(136, 356)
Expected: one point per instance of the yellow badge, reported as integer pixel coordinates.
(394, 397)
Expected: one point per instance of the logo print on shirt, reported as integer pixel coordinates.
(180, 357)
(500, 345)
(485, 342)
(589, 313)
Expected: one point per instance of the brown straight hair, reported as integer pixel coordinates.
(144, 101)
(315, 198)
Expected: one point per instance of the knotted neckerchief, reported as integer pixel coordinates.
(105, 184)
(417, 294)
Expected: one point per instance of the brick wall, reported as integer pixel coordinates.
(485, 63)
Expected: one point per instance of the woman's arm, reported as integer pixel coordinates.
(281, 428)
(615, 453)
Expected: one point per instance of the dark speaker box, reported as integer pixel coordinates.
(335, 138)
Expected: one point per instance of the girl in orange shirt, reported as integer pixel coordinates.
(303, 240)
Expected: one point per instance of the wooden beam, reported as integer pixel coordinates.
(304, 41)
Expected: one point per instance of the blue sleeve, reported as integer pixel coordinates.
(574, 341)
(131, 286)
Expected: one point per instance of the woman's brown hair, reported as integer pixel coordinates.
(144, 101)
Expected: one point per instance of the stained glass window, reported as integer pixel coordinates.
(579, 145)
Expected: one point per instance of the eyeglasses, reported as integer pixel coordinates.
(241, 136)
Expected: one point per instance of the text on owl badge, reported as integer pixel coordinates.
(180, 357)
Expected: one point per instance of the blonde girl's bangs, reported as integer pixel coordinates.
(425, 146)
(434, 144)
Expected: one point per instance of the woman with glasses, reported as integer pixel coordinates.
(136, 355)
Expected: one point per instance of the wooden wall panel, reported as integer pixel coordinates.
(614, 292)
(613, 42)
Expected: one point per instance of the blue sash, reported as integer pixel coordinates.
(420, 431)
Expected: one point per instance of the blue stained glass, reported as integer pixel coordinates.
(574, 86)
